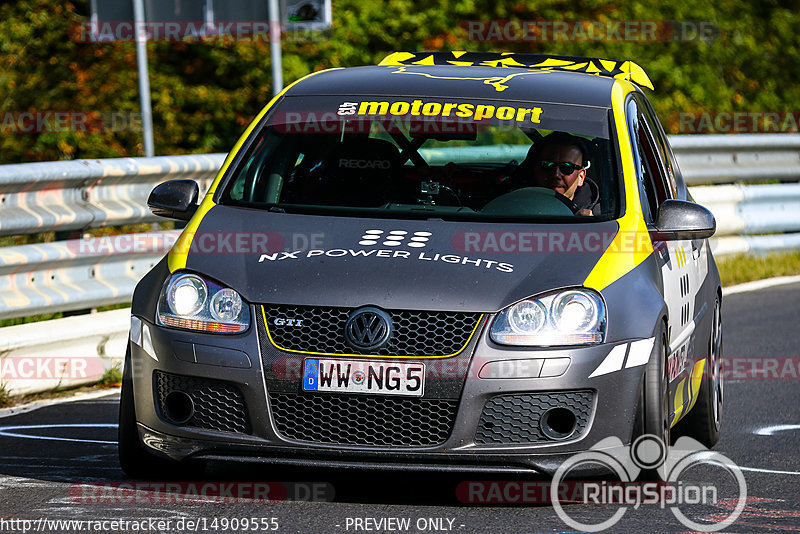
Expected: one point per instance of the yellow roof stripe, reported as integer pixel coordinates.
(397, 58)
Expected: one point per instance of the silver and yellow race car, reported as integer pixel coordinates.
(449, 261)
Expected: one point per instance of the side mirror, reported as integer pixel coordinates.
(681, 219)
(176, 199)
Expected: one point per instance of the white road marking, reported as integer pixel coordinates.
(773, 471)
(709, 457)
(760, 284)
(4, 431)
(770, 430)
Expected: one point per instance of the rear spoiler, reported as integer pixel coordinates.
(624, 70)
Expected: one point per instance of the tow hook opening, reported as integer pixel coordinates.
(558, 423)
(178, 407)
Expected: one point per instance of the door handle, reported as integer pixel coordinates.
(696, 246)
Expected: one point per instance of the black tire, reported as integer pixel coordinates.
(135, 461)
(703, 421)
(653, 413)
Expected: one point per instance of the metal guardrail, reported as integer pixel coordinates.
(77, 274)
(720, 159)
(81, 194)
(752, 209)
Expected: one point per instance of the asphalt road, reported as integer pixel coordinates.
(77, 477)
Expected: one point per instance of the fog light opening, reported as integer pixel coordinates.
(558, 423)
(178, 407)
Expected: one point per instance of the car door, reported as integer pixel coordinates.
(700, 293)
(678, 265)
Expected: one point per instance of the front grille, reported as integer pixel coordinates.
(217, 405)
(515, 419)
(415, 333)
(363, 419)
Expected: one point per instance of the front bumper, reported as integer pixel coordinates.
(156, 351)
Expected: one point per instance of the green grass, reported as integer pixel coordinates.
(5, 398)
(742, 268)
(32, 319)
(112, 376)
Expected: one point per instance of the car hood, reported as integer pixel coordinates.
(391, 263)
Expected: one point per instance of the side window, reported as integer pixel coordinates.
(649, 171)
(662, 145)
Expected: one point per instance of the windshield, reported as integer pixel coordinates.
(418, 157)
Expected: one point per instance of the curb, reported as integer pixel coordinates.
(760, 284)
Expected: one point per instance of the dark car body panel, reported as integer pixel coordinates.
(442, 275)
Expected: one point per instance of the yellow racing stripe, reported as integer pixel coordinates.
(632, 244)
(695, 380)
(678, 405)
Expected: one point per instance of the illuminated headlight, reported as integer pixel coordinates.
(571, 317)
(188, 301)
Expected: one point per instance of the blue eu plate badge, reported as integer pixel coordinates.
(310, 374)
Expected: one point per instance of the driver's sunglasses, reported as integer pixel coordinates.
(565, 167)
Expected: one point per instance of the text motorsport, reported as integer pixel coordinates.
(385, 253)
(462, 110)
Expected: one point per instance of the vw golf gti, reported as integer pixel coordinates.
(447, 261)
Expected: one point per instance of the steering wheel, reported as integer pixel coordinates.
(530, 201)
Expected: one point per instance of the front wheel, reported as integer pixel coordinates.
(653, 412)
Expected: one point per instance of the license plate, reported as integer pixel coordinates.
(359, 376)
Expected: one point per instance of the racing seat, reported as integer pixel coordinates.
(362, 172)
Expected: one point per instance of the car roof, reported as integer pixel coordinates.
(482, 75)
(492, 83)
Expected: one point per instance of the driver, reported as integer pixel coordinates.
(560, 161)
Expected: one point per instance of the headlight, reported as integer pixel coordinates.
(571, 317)
(188, 301)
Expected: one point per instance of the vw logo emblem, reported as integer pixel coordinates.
(368, 328)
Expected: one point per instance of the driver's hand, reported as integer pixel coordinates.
(586, 213)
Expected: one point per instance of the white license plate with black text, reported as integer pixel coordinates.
(361, 376)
